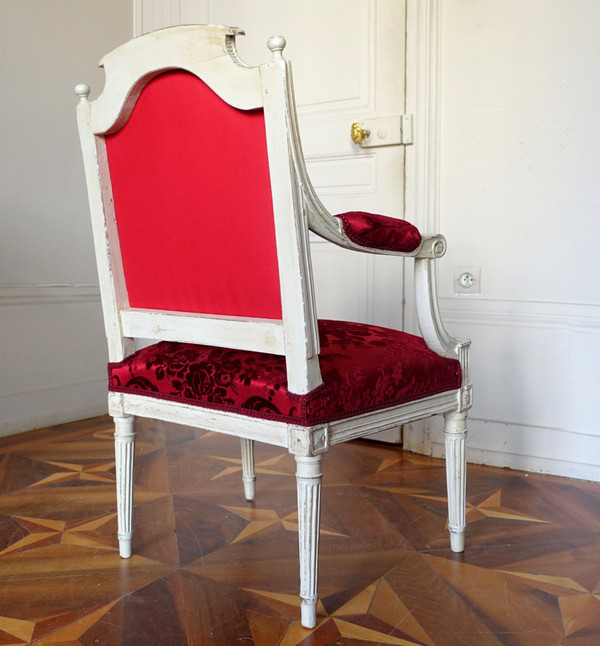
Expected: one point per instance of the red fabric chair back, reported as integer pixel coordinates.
(188, 241)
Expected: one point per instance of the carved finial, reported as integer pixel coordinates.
(276, 45)
(82, 91)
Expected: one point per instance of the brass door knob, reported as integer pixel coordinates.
(358, 133)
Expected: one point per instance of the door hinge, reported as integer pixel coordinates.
(384, 131)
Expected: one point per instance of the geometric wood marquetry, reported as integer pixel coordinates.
(211, 568)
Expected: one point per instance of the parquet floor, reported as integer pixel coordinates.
(210, 568)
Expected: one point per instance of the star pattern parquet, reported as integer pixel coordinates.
(211, 568)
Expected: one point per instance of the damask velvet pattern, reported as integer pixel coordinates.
(380, 231)
(364, 368)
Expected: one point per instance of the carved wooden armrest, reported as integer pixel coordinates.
(383, 235)
(370, 232)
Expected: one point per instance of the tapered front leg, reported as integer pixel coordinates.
(455, 430)
(308, 477)
(248, 474)
(124, 457)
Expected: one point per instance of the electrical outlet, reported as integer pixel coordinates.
(467, 280)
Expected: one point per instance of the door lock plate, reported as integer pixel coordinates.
(383, 131)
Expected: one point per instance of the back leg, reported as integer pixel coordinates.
(248, 474)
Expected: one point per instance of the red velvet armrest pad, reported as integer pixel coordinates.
(380, 231)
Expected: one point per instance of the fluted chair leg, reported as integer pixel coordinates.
(308, 478)
(124, 459)
(455, 430)
(248, 473)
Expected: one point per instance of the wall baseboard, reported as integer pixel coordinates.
(498, 444)
(26, 411)
(53, 355)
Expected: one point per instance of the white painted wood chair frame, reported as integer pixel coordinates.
(210, 53)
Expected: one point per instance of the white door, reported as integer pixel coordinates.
(348, 59)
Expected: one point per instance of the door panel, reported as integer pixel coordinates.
(348, 59)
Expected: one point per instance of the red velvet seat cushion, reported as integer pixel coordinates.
(364, 368)
(380, 231)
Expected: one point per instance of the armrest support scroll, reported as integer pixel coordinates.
(428, 314)
(433, 330)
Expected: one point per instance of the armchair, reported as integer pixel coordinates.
(201, 209)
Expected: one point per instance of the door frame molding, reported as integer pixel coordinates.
(422, 175)
(423, 93)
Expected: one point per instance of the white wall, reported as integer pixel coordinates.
(52, 347)
(504, 164)
(516, 193)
